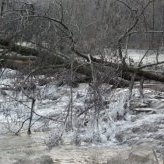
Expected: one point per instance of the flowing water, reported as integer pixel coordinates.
(24, 149)
(15, 148)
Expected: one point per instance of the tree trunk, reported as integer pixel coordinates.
(31, 116)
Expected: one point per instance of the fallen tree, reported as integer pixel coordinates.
(31, 56)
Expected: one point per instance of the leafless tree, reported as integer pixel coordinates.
(81, 37)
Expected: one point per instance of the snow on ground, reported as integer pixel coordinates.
(134, 56)
(150, 57)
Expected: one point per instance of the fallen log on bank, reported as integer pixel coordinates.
(146, 74)
(33, 55)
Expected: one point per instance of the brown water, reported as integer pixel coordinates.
(14, 148)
